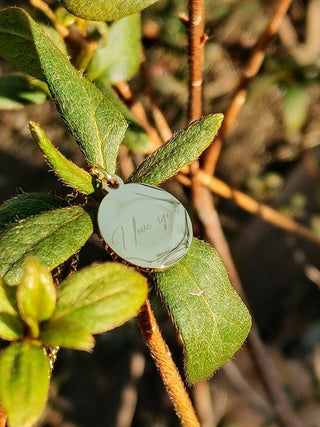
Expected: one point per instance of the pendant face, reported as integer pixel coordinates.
(145, 225)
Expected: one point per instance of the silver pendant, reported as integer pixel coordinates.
(144, 225)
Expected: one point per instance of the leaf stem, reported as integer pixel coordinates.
(166, 367)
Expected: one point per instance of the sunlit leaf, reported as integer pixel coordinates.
(210, 316)
(182, 149)
(46, 236)
(92, 119)
(105, 10)
(26, 205)
(66, 333)
(69, 172)
(24, 383)
(118, 59)
(11, 326)
(36, 294)
(101, 297)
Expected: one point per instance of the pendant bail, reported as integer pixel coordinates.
(108, 180)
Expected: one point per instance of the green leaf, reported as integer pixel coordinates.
(55, 36)
(118, 58)
(92, 119)
(101, 297)
(26, 205)
(17, 90)
(210, 316)
(66, 333)
(17, 44)
(50, 236)
(136, 138)
(70, 173)
(11, 327)
(24, 383)
(182, 149)
(295, 107)
(8, 303)
(105, 10)
(36, 295)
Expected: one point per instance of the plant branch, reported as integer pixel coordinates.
(203, 201)
(41, 5)
(138, 110)
(196, 42)
(251, 205)
(211, 155)
(166, 367)
(129, 395)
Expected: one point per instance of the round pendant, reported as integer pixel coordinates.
(145, 225)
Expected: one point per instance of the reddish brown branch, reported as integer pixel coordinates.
(211, 155)
(166, 367)
(196, 42)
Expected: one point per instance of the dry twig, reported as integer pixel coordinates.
(129, 393)
(240, 94)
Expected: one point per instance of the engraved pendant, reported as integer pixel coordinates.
(144, 225)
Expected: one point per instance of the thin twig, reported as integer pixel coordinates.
(240, 382)
(166, 367)
(204, 405)
(212, 153)
(44, 7)
(251, 205)
(138, 110)
(129, 394)
(196, 42)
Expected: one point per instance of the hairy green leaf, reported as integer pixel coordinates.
(182, 149)
(70, 173)
(136, 138)
(8, 303)
(101, 297)
(18, 90)
(66, 333)
(50, 236)
(36, 294)
(11, 327)
(26, 205)
(92, 119)
(105, 10)
(210, 316)
(118, 58)
(24, 383)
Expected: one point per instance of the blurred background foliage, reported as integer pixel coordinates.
(271, 153)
